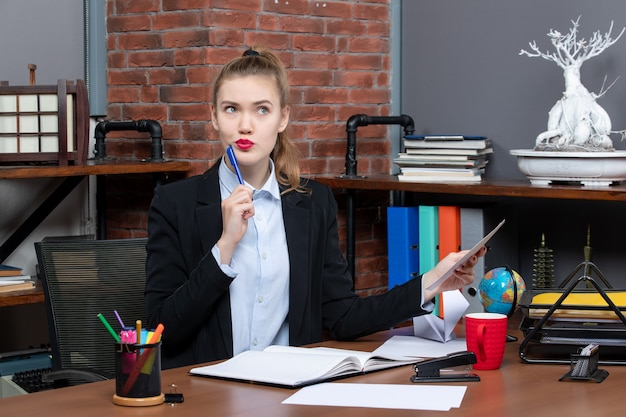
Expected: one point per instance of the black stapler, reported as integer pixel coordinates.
(429, 370)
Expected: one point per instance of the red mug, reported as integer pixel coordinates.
(485, 335)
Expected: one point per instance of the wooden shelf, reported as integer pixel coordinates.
(92, 167)
(486, 191)
(495, 188)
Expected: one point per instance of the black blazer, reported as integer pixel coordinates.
(187, 291)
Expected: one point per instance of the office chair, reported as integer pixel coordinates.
(82, 278)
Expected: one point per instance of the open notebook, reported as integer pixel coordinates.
(293, 367)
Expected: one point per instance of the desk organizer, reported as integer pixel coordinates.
(138, 375)
(585, 368)
(44, 123)
(557, 322)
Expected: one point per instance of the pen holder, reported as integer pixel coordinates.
(585, 368)
(138, 375)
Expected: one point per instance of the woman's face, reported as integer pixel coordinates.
(248, 115)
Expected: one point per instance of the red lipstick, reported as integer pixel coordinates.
(244, 144)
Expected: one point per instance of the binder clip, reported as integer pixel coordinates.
(430, 370)
(173, 397)
(584, 366)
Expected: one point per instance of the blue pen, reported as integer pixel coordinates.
(233, 162)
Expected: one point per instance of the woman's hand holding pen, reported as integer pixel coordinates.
(236, 210)
(461, 277)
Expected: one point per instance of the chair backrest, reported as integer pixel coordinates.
(82, 278)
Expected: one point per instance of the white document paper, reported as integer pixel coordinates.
(473, 251)
(409, 397)
(293, 366)
(432, 327)
(419, 348)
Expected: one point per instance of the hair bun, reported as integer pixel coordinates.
(251, 52)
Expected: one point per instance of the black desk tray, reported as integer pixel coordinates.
(554, 332)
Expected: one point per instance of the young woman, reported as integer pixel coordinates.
(233, 267)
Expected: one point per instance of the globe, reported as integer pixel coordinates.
(497, 290)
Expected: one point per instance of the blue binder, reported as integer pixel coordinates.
(402, 244)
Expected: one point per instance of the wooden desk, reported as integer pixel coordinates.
(516, 389)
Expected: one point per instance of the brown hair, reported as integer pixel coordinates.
(263, 62)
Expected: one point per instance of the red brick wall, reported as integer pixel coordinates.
(164, 54)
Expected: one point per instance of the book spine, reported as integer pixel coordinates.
(402, 244)
(444, 137)
(9, 271)
(477, 144)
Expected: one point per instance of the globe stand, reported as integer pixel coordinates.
(511, 338)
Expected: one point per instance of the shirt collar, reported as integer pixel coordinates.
(229, 181)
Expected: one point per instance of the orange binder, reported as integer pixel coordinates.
(449, 230)
(449, 240)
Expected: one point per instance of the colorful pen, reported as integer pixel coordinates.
(233, 162)
(138, 332)
(109, 328)
(156, 335)
(119, 319)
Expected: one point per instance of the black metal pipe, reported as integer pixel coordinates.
(351, 128)
(146, 125)
(350, 235)
(364, 120)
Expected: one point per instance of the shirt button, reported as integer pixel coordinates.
(255, 342)
(264, 255)
(260, 299)
(259, 217)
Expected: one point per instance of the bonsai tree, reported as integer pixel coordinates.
(576, 122)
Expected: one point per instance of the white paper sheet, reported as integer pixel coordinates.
(419, 348)
(473, 251)
(430, 326)
(410, 397)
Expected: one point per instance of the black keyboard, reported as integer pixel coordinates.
(31, 381)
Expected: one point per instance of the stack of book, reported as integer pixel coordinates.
(12, 279)
(443, 158)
